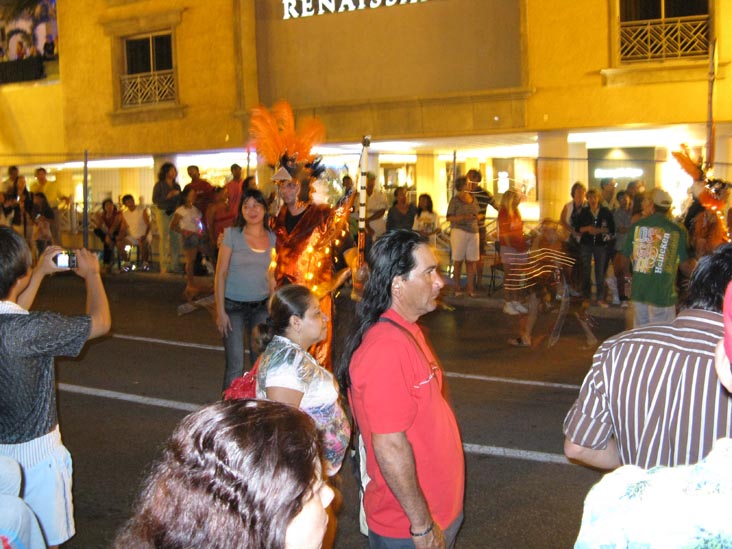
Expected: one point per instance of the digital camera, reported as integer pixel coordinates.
(65, 260)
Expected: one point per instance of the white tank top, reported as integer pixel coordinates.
(136, 221)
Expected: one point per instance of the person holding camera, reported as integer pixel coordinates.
(29, 342)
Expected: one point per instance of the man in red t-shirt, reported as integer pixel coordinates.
(414, 456)
(203, 189)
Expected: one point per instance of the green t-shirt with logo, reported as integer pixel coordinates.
(656, 246)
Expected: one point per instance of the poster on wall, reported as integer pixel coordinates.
(33, 33)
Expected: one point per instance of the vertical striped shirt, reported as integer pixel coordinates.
(655, 389)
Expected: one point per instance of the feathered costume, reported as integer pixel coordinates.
(305, 254)
(707, 219)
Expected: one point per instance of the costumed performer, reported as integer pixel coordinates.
(306, 233)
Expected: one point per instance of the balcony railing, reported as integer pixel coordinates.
(677, 38)
(148, 88)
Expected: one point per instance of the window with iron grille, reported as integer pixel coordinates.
(655, 30)
(149, 73)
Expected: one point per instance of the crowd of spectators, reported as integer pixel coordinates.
(648, 400)
(605, 225)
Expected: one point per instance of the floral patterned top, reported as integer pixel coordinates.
(682, 506)
(286, 364)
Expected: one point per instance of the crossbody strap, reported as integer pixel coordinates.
(410, 334)
(432, 364)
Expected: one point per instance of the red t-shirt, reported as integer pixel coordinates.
(511, 227)
(234, 189)
(390, 393)
(204, 195)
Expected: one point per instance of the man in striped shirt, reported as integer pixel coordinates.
(652, 396)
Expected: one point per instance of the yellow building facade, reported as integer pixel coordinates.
(525, 90)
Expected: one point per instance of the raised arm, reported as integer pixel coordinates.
(97, 306)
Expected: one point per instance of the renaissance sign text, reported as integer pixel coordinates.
(294, 9)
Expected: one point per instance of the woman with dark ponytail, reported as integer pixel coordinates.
(289, 374)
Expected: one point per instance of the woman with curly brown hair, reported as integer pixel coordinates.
(239, 473)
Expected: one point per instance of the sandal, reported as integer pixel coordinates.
(518, 342)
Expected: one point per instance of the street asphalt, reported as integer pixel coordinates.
(122, 397)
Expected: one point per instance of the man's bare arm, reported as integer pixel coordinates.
(609, 458)
(97, 305)
(396, 461)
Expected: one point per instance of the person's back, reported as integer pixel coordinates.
(684, 506)
(658, 248)
(29, 341)
(652, 396)
(661, 396)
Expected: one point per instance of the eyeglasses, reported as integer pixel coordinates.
(289, 185)
(433, 373)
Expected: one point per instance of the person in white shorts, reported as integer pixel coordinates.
(463, 213)
(29, 342)
(137, 228)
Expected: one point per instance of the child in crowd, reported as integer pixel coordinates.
(42, 220)
(426, 221)
(188, 222)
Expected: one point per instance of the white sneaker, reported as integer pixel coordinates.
(518, 306)
(509, 310)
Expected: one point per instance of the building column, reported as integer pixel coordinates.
(429, 180)
(553, 173)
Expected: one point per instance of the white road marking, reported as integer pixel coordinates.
(191, 407)
(490, 379)
(515, 453)
(137, 399)
(513, 380)
(171, 343)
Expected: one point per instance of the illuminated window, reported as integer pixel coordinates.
(644, 10)
(654, 30)
(144, 68)
(149, 76)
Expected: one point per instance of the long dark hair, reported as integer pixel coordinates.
(233, 474)
(429, 207)
(709, 280)
(287, 301)
(257, 195)
(164, 171)
(392, 255)
(44, 209)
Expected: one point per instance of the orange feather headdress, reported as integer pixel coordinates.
(711, 195)
(275, 138)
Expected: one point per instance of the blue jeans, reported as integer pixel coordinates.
(381, 542)
(587, 253)
(244, 316)
(645, 313)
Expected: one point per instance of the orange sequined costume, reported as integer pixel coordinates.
(305, 256)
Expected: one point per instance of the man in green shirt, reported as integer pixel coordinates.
(657, 248)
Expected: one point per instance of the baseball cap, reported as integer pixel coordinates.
(661, 198)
